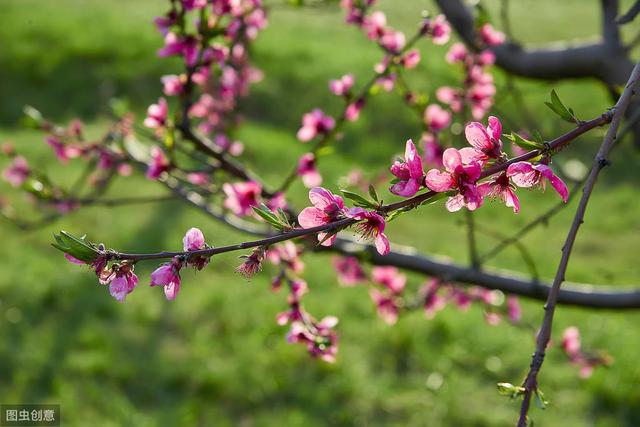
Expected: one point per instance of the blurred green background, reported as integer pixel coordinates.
(215, 356)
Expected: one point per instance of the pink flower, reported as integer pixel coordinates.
(157, 114)
(17, 172)
(159, 163)
(438, 28)
(168, 276)
(327, 208)
(525, 174)
(193, 240)
(390, 278)
(252, 263)
(457, 53)
(371, 227)
(450, 96)
(393, 41)
(409, 173)
(319, 337)
(433, 301)
(342, 86)
(486, 143)
(123, 284)
(457, 177)
(375, 25)
(349, 270)
(500, 188)
(490, 36)
(352, 112)
(411, 59)
(308, 171)
(185, 46)
(436, 118)
(571, 341)
(194, 4)
(315, 123)
(387, 305)
(242, 196)
(59, 148)
(433, 151)
(514, 311)
(172, 85)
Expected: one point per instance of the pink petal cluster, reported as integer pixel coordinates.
(411, 59)
(458, 177)
(315, 123)
(123, 284)
(186, 46)
(490, 36)
(159, 163)
(525, 174)
(193, 240)
(320, 339)
(370, 226)
(253, 263)
(438, 28)
(342, 86)
(409, 173)
(327, 208)
(436, 118)
(241, 196)
(349, 270)
(172, 84)
(17, 172)
(168, 276)
(308, 171)
(288, 255)
(389, 300)
(573, 349)
(485, 143)
(157, 114)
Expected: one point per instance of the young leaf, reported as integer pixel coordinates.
(358, 199)
(524, 143)
(266, 214)
(541, 402)
(558, 107)
(372, 192)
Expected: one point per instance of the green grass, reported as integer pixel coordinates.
(215, 355)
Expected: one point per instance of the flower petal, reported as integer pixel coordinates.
(439, 181)
(477, 136)
(451, 159)
(311, 217)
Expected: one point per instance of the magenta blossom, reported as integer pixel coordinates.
(342, 86)
(313, 124)
(500, 188)
(409, 173)
(253, 263)
(194, 241)
(458, 177)
(438, 28)
(387, 305)
(172, 85)
(242, 196)
(185, 46)
(525, 174)
(390, 278)
(433, 301)
(436, 118)
(157, 114)
(371, 227)
(485, 143)
(17, 172)
(168, 276)
(433, 151)
(349, 270)
(159, 163)
(514, 311)
(59, 148)
(308, 171)
(123, 284)
(490, 36)
(411, 59)
(319, 337)
(327, 208)
(352, 112)
(456, 53)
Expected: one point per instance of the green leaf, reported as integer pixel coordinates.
(32, 118)
(358, 199)
(372, 192)
(265, 213)
(558, 107)
(325, 151)
(76, 247)
(541, 402)
(524, 143)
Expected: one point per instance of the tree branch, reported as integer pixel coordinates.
(600, 161)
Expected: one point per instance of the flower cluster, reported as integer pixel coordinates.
(572, 347)
(328, 208)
